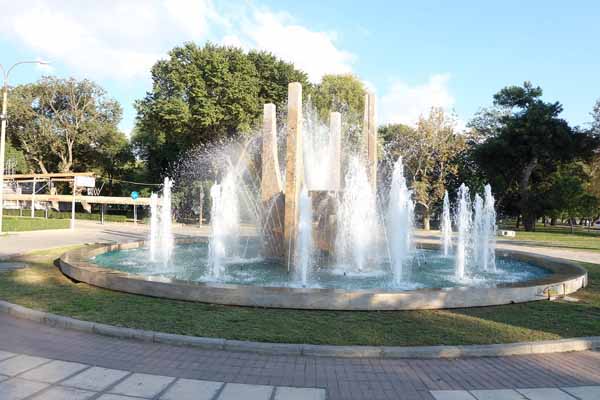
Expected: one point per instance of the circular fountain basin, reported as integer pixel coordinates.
(252, 281)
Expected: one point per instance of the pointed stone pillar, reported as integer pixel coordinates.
(271, 187)
(294, 172)
(370, 139)
(335, 135)
(271, 175)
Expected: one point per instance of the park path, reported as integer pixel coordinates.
(36, 361)
(342, 379)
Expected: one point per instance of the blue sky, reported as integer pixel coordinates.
(454, 54)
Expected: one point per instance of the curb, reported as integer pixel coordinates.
(424, 352)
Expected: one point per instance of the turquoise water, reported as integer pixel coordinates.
(427, 269)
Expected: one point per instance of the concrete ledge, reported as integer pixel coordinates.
(309, 350)
(565, 278)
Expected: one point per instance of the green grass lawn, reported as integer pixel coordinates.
(43, 287)
(20, 224)
(558, 236)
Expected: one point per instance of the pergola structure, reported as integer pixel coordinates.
(45, 183)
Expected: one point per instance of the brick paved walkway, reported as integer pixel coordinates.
(345, 379)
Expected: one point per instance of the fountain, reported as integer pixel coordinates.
(166, 239)
(320, 238)
(463, 225)
(488, 232)
(446, 227)
(225, 225)
(154, 218)
(357, 220)
(304, 248)
(400, 222)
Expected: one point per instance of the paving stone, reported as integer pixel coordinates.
(452, 395)
(498, 394)
(189, 389)
(54, 371)
(116, 397)
(18, 389)
(545, 394)
(5, 354)
(142, 385)
(95, 378)
(584, 392)
(16, 365)
(237, 391)
(64, 393)
(292, 393)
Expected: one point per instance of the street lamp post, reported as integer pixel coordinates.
(3, 116)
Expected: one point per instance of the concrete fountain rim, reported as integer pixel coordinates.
(567, 277)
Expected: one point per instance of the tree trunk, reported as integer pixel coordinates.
(529, 221)
(528, 214)
(518, 223)
(426, 219)
(553, 221)
(571, 220)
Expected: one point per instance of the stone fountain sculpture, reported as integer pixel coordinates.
(281, 204)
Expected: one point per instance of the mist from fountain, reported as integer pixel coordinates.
(154, 220)
(357, 226)
(463, 225)
(166, 239)
(400, 222)
(304, 238)
(225, 225)
(446, 228)
(489, 228)
(318, 151)
(476, 233)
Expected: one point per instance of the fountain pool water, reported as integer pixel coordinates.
(430, 270)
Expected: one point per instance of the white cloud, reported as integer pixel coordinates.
(404, 103)
(122, 40)
(312, 51)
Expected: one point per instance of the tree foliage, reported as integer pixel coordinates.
(430, 153)
(524, 144)
(205, 94)
(59, 123)
(596, 119)
(342, 93)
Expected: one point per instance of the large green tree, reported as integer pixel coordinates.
(430, 152)
(58, 123)
(206, 94)
(342, 93)
(523, 145)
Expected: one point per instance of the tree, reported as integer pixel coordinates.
(56, 121)
(596, 119)
(565, 193)
(342, 93)
(203, 95)
(525, 144)
(429, 153)
(15, 161)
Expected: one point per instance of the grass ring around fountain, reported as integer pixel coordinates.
(566, 278)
